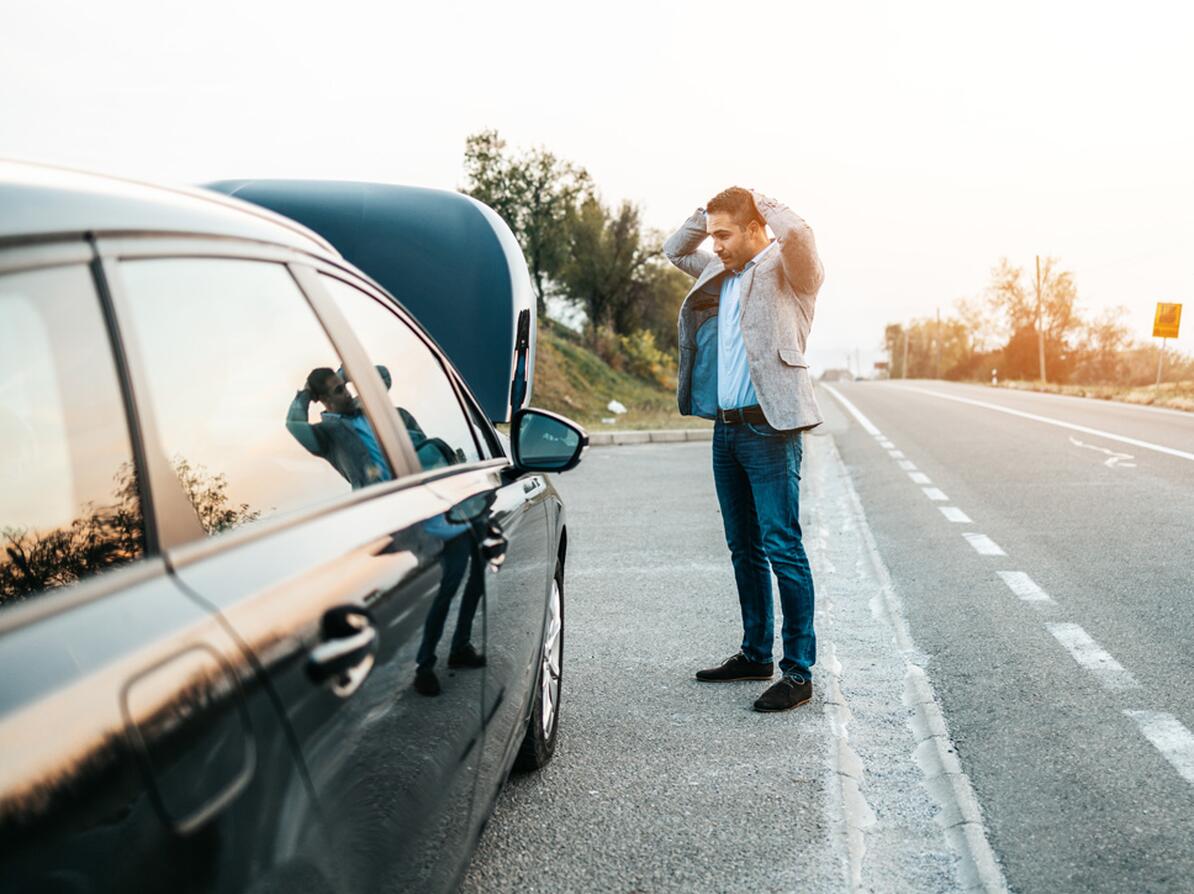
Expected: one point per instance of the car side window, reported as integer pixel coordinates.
(248, 393)
(417, 382)
(69, 504)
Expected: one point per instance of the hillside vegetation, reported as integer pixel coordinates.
(572, 380)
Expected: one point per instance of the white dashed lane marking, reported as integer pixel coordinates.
(983, 545)
(1109, 672)
(1170, 738)
(1167, 734)
(954, 514)
(1024, 586)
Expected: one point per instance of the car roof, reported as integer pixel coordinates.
(43, 201)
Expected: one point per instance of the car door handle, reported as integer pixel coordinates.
(346, 655)
(494, 546)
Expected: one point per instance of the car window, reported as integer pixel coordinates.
(249, 395)
(416, 380)
(69, 505)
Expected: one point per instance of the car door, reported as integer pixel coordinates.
(513, 520)
(138, 750)
(324, 561)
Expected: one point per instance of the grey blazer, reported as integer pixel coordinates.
(778, 298)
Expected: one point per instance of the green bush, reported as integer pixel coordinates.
(642, 358)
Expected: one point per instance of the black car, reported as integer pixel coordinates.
(279, 607)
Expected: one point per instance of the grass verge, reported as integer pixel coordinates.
(572, 380)
(1172, 395)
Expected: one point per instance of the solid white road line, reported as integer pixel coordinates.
(983, 545)
(1024, 586)
(885, 444)
(954, 514)
(1170, 737)
(907, 465)
(1109, 672)
(1135, 442)
(934, 493)
(919, 478)
(867, 425)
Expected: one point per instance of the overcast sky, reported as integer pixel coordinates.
(922, 140)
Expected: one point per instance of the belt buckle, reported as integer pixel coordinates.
(734, 416)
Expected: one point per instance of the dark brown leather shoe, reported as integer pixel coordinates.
(737, 667)
(788, 692)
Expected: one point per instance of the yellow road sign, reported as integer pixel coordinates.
(1169, 317)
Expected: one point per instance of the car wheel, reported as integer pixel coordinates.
(539, 742)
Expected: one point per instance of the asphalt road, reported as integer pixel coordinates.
(661, 783)
(1018, 566)
(1070, 701)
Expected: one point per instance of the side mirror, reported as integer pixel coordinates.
(545, 442)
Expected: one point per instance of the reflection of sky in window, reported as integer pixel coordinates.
(420, 384)
(226, 345)
(62, 424)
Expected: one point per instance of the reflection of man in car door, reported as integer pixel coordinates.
(343, 436)
(460, 565)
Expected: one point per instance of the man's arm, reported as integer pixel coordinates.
(681, 247)
(303, 431)
(798, 249)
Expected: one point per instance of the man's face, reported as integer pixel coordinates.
(733, 244)
(333, 394)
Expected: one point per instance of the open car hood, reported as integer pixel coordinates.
(447, 258)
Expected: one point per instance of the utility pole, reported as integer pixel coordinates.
(1040, 332)
(904, 365)
(937, 355)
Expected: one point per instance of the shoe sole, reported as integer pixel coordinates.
(778, 710)
(732, 679)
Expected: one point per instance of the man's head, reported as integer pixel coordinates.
(328, 388)
(739, 232)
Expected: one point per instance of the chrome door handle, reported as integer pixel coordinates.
(346, 655)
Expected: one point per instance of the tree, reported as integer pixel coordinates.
(607, 270)
(1105, 342)
(534, 192)
(1015, 300)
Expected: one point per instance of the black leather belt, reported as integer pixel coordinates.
(752, 414)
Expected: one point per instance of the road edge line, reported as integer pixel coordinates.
(947, 783)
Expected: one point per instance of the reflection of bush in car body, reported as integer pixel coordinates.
(108, 536)
(102, 537)
(208, 494)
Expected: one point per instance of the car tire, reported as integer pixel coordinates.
(539, 741)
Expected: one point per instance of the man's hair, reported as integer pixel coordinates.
(738, 203)
(316, 379)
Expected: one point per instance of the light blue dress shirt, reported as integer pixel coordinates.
(734, 387)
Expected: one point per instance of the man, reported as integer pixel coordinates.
(343, 436)
(743, 329)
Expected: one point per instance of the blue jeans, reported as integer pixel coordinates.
(756, 469)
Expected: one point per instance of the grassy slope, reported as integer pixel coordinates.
(572, 380)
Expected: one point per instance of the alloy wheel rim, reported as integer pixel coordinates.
(549, 676)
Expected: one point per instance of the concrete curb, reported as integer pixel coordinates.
(961, 817)
(668, 436)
